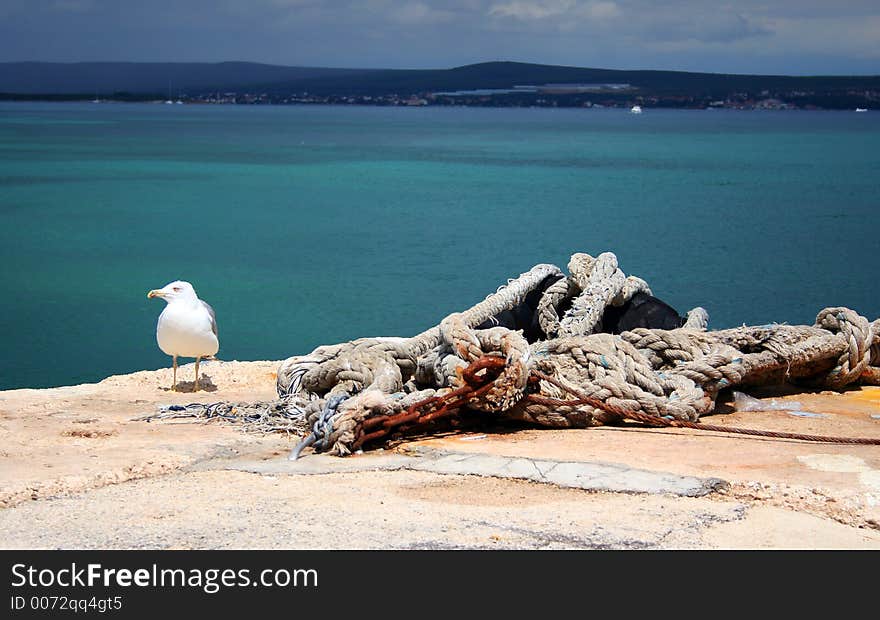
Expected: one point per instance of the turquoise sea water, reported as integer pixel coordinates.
(311, 225)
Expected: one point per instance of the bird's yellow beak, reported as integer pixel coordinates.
(155, 293)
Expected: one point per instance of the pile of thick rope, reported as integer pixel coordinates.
(357, 393)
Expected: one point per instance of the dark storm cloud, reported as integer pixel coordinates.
(798, 36)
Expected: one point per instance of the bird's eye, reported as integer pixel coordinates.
(177, 289)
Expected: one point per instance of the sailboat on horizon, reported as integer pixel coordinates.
(169, 101)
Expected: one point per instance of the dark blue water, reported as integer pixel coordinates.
(312, 225)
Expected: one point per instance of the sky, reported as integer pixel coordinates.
(797, 37)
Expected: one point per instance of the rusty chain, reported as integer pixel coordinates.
(477, 384)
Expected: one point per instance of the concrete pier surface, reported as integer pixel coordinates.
(78, 472)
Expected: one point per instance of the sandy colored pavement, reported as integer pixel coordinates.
(77, 472)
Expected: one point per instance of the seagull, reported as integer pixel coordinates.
(187, 326)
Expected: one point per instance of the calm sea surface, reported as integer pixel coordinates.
(311, 225)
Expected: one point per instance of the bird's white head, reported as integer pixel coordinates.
(174, 291)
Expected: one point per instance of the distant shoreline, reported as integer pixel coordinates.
(488, 84)
(422, 102)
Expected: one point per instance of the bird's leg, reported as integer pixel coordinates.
(174, 373)
(196, 386)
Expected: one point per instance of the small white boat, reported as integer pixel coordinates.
(636, 109)
(861, 109)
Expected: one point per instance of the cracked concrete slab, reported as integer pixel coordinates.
(222, 509)
(589, 476)
(403, 509)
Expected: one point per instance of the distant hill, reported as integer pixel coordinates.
(151, 77)
(24, 79)
(509, 74)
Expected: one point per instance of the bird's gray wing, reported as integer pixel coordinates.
(213, 316)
